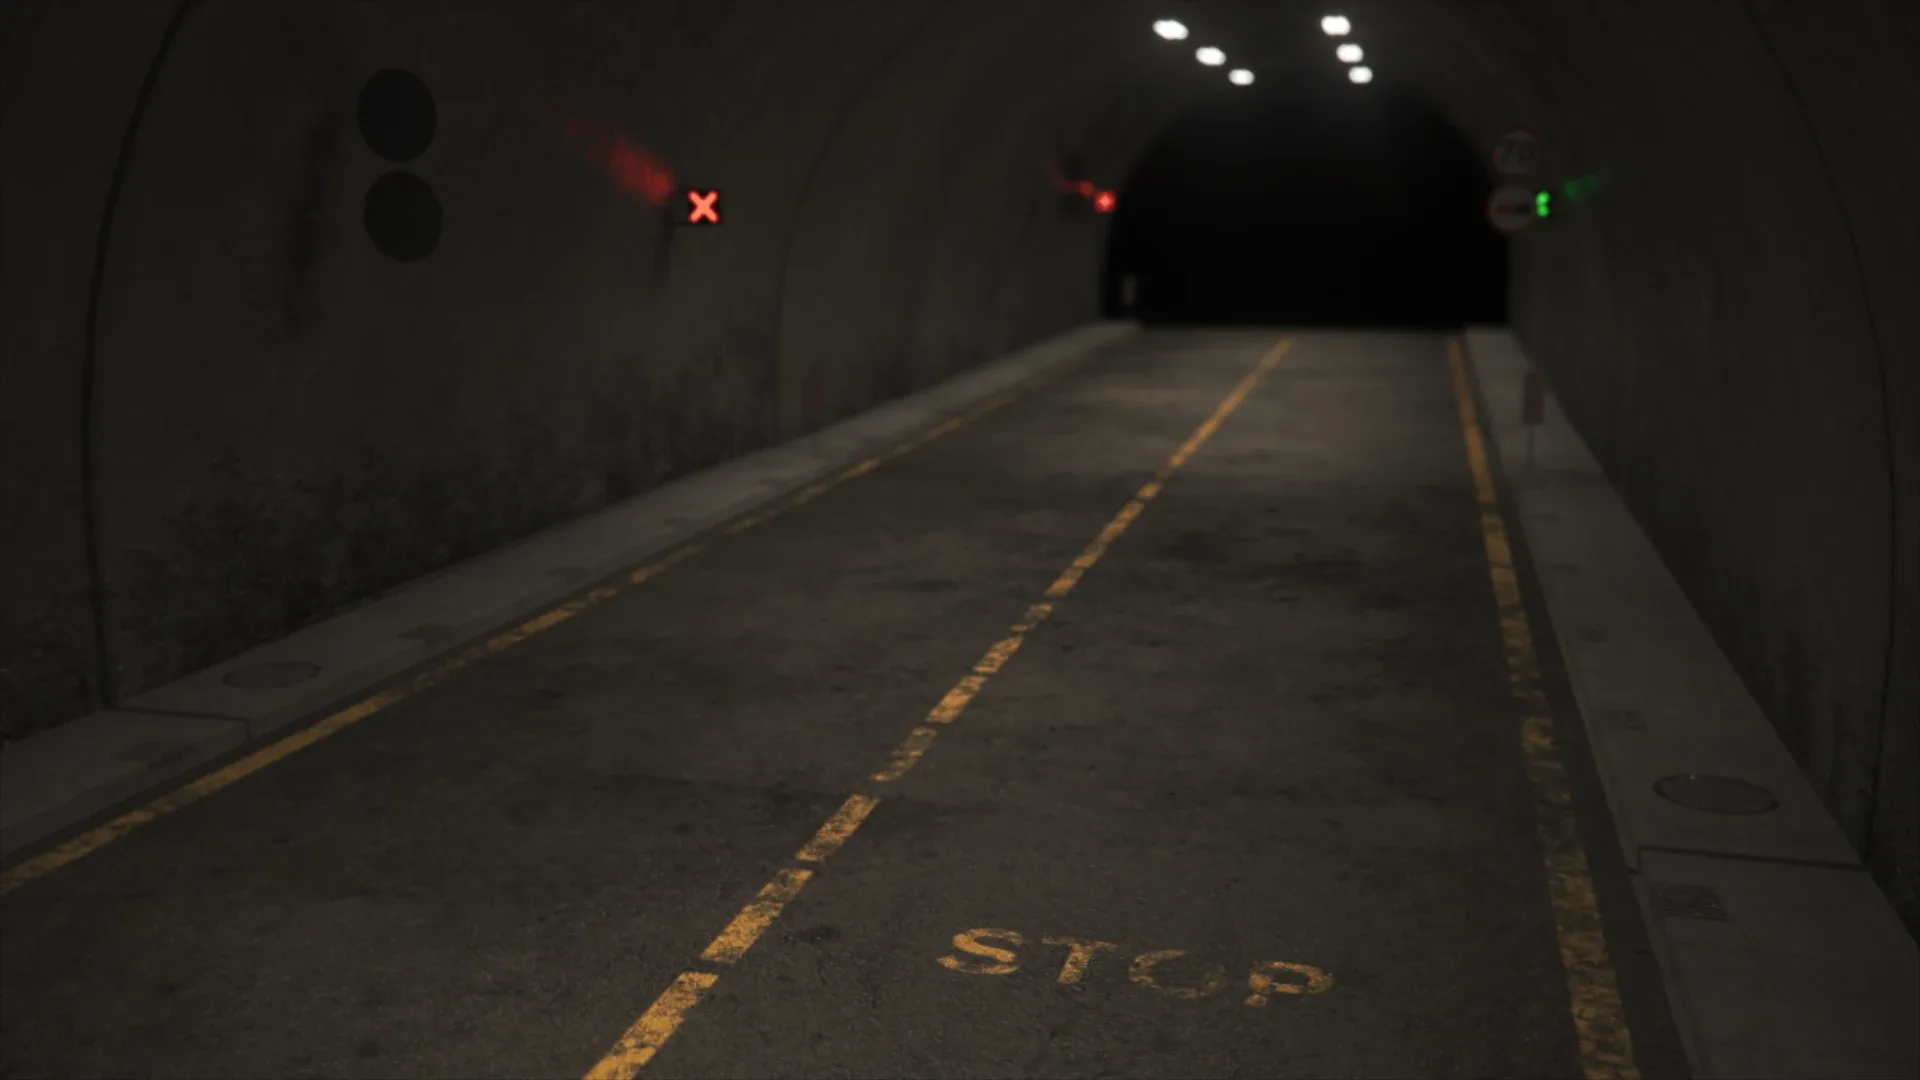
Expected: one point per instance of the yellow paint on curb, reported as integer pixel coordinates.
(1599, 1020)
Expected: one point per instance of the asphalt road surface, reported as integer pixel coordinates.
(1246, 796)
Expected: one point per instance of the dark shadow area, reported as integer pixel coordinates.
(1308, 201)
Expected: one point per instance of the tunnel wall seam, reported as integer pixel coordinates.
(90, 528)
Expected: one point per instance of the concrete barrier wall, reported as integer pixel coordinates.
(1731, 324)
(69, 92)
(285, 420)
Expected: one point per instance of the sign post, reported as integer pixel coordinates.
(1532, 400)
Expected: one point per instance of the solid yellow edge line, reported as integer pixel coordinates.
(1599, 1019)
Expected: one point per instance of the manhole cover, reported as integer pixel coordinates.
(1716, 794)
(271, 676)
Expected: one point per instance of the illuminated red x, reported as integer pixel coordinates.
(705, 207)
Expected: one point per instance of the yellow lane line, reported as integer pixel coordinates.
(653, 1029)
(956, 700)
(753, 920)
(643, 1040)
(186, 795)
(838, 827)
(1606, 1046)
(909, 752)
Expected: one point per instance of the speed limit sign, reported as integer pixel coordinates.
(1516, 152)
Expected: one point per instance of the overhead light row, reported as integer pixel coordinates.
(1347, 51)
(1211, 56)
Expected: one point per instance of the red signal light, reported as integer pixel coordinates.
(704, 206)
(1105, 202)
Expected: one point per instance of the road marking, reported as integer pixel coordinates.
(637, 1046)
(192, 792)
(1606, 1046)
(910, 751)
(753, 920)
(838, 828)
(1263, 984)
(652, 1030)
(984, 955)
(985, 959)
(1142, 968)
(907, 754)
(1080, 954)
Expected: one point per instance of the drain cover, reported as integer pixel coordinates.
(1716, 794)
(271, 676)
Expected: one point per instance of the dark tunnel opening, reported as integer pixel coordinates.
(1308, 202)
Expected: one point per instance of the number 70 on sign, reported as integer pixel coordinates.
(1516, 152)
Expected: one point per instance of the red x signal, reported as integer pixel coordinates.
(704, 207)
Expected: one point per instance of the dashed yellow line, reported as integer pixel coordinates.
(909, 752)
(654, 1028)
(838, 827)
(1606, 1045)
(186, 795)
(647, 1035)
(753, 920)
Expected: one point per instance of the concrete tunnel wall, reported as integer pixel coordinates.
(285, 422)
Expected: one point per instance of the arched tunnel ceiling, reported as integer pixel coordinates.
(244, 417)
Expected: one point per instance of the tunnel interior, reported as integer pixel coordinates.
(1305, 201)
(302, 303)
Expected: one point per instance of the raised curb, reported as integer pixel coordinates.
(72, 774)
(1780, 956)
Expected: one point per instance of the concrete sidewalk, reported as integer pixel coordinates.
(78, 772)
(1781, 956)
